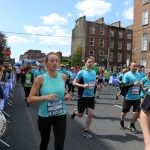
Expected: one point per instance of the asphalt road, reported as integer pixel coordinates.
(23, 132)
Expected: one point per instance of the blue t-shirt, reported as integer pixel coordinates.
(33, 70)
(37, 73)
(86, 77)
(72, 76)
(64, 71)
(133, 92)
(7, 75)
(120, 77)
(146, 84)
(142, 74)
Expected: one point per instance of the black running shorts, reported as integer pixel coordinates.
(85, 102)
(127, 104)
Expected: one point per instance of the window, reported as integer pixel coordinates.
(91, 41)
(120, 45)
(101, 55)
(111, 33)
(128, 57)
(92, 30)
(128, 46)
(143, 62)
(144, 42)
(120, 34)
(91, 53)
(128, 36)
(101, 43)
(111, 56)
(145, 1)
(145, 17)
(102, 31)
(119, 57)
(111, 44)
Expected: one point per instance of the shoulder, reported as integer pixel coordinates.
(39, 80)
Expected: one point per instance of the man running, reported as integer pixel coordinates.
(132, 97)
(85, 81)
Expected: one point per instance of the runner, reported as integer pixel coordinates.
(142, 74)
(26, 82)
(85, 81)
(38, 72)
(132, 97)
(71, 78)
(119, 78)
(107, 74)
(52, 110)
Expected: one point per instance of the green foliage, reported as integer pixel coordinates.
(3, 44)
(76, 58)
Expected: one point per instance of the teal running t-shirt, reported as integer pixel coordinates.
(51, 108)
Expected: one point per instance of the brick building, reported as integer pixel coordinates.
(111, 45)
(141, 32)
(34, 55)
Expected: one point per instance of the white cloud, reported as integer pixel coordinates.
(128, 13)
(17, 39)
(38, 30)
(90, 8)
(54, 19)
(116, 14)
(69, 15)
(127, 3)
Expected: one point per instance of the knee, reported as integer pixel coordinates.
(90, 115)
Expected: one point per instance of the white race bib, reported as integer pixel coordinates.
(148, 85)
(28, 81)
(71, 79)
(92, 85)
(55, 108)
(135, 90)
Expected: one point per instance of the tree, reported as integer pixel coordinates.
(3, 44)
(76, 58)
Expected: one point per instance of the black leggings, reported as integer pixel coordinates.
(27, 91)
(71, 87)
(18, 76)
(59, 127)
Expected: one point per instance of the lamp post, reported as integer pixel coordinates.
(49, 48)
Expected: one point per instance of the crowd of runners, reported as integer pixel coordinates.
(39, 82)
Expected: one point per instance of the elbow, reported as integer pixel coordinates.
(29, 100)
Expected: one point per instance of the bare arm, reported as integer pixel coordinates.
(75, 83)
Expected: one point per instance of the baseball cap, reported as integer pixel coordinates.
(72, 68)
(62, 65)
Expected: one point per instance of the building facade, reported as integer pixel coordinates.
(141, 32)
(111, 45)
(34, 55)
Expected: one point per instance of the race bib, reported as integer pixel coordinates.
(92, 85)
(28, 81)
(148, 86)
(135, 90)
(55, 108)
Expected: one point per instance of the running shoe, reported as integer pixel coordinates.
(86, 113)
(132, 128)
(87, 135)
(27, 104)
(122, 125)
(73, 114)
(116, 97)
(97, 96)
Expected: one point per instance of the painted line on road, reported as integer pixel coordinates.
(121, 107)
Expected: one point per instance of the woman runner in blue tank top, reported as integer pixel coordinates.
(52, 109)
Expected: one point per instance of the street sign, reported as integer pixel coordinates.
(7, 52)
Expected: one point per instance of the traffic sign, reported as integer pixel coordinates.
(7, 52)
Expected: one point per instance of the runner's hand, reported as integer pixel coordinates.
(51, 97)
(86, 86)
(67, 97)
(136, 83)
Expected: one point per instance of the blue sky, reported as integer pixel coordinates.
(56, 18)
